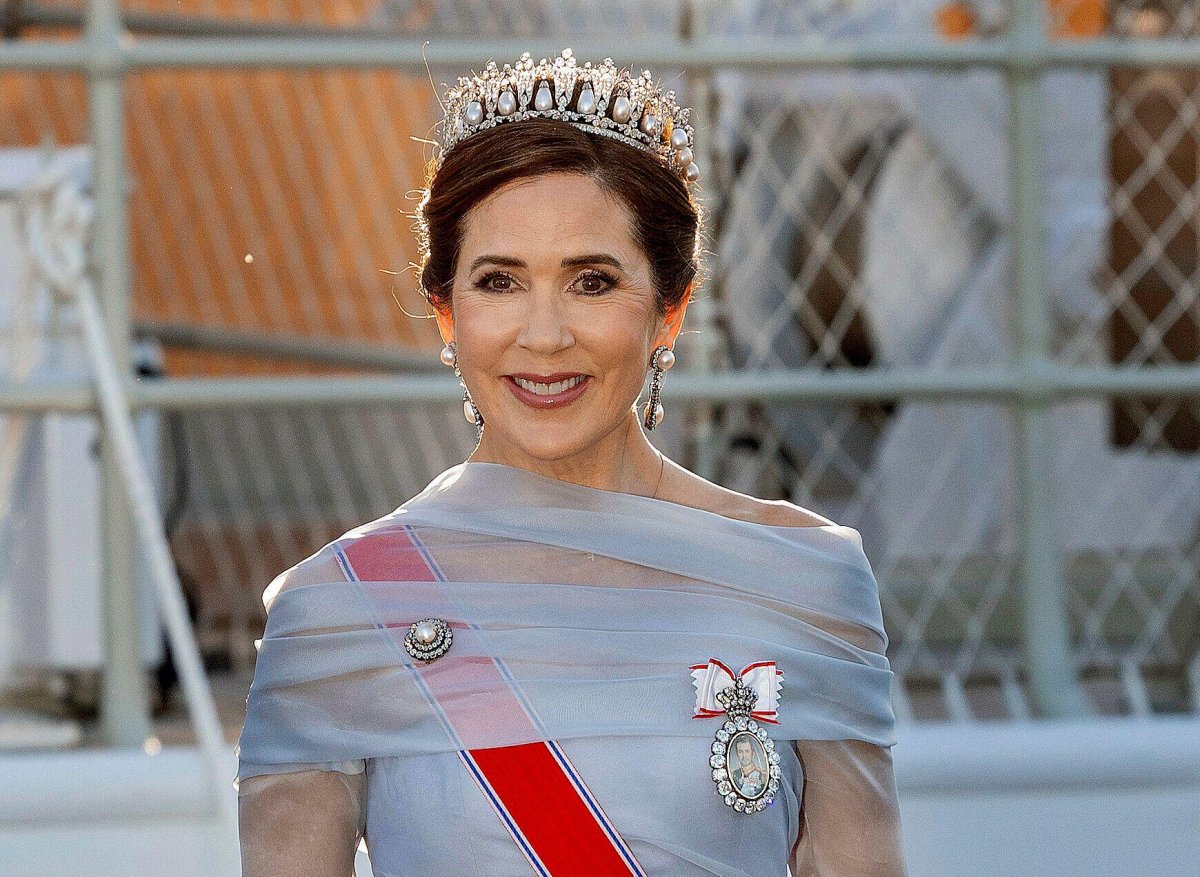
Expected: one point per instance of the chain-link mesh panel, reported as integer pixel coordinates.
(1136, 305)
(1139, 618)
(852, 239)
(867, 226)
(1148, 312)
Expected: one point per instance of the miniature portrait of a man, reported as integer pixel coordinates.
(748, 769)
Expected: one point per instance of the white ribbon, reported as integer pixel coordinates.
(763, 676)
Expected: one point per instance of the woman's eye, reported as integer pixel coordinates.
(485, 282)
(596, 282)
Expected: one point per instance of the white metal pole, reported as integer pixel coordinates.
(132, 478)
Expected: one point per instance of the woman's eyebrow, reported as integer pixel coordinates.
(571, 262)
(593, 259)
(496, 260)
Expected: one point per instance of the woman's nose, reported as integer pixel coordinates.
(545, 329)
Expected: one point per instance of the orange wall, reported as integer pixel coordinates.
(307, 172)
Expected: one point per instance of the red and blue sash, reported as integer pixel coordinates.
(538, 794)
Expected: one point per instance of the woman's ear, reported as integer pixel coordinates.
(445, 322)
(673, 319)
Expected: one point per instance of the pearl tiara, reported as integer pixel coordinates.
(610, 102)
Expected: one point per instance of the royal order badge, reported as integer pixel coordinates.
(745, 765)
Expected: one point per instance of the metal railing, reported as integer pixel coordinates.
(106, 55)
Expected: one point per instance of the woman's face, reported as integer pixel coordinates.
(553, 314)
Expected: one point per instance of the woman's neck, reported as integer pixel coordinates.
(622, 461)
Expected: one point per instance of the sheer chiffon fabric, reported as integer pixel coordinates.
(597, 603)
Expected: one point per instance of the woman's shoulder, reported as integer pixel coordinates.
(693, 490)
(318, 568)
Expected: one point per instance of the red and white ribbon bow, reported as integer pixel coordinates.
(762, 676)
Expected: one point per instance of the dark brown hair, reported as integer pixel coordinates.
(666, 218)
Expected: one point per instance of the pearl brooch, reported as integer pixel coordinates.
(428, 639)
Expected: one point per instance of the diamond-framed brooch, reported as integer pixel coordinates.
(745, 765)
(428, 639)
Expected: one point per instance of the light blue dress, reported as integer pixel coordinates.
(596, 603)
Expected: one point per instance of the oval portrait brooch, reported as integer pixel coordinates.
(744, 763)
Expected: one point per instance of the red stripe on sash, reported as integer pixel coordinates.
(543, 797)
(549, 810)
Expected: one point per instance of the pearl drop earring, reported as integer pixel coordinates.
(449, 357)
(662, 359)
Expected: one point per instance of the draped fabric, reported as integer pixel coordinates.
(597, 603)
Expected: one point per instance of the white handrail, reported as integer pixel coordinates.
(1051, 756)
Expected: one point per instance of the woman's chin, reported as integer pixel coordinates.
(549, 449)
(546, 442)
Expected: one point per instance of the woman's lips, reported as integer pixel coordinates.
(556, 400)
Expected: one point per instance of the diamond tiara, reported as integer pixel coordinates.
(610, 102)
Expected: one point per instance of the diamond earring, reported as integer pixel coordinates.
(662, 359)
(449, 357)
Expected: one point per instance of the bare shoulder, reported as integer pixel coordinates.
(688, 488)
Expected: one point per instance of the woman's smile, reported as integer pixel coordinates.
(547, 391)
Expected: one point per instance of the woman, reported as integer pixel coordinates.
(558, 655)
